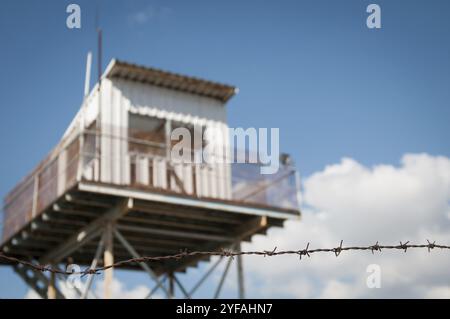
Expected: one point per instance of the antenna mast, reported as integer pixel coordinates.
(99, 49)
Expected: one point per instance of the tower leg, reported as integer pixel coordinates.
(51, 289)
(33, 277)
(222, 279)
(108, 259)
(171, 286)
(240, 274)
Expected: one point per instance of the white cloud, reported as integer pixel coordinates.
(363, 205)
(336, 289)
(360, 205)
(31, 294)
(442, 292)
(118, 291)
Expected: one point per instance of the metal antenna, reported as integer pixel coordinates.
(99, 46)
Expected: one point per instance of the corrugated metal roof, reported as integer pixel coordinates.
(174, 81)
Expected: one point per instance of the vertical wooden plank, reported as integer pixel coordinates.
(80, 156)
(160, 171)
(51, 290)
(187, 179)
(108, 259)
(240, 270)
(143, 171)
(62, 167)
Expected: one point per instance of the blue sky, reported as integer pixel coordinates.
(312, 68)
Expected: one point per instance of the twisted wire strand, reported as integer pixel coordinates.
(227, 253)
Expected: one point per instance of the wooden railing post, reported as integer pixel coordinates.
(108, 259)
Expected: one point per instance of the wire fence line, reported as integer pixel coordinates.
(225, 253)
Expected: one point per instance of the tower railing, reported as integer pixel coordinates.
(140, 164)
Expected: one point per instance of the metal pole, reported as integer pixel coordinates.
(206, 275)
(171, 286)
(134, 254)
(99, 55)
(240, 274)
(108, 259)
(224, 275)
(150, 294)
(183, 290)
(99, 124)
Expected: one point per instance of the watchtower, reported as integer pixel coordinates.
(110, 190)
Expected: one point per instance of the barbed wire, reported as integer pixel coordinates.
(226, 253)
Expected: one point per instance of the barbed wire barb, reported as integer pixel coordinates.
(338, 250)
(375, 247)
(431, 245)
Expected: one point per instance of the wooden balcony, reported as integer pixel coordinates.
(56, 213)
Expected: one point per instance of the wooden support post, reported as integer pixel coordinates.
(108, 259)
(51, 289)
(240, 273)
(87, 233)
(37, 281)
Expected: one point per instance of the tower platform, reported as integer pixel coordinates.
(155, 223)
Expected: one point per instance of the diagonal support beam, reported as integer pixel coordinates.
(32, 278)
(241, 233)
(87, 233)
(183, 290)
(205, 276)
(222, 279)
(150, 294)
(94, 263)
(134, 254)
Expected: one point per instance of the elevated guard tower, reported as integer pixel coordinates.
(110, 191)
